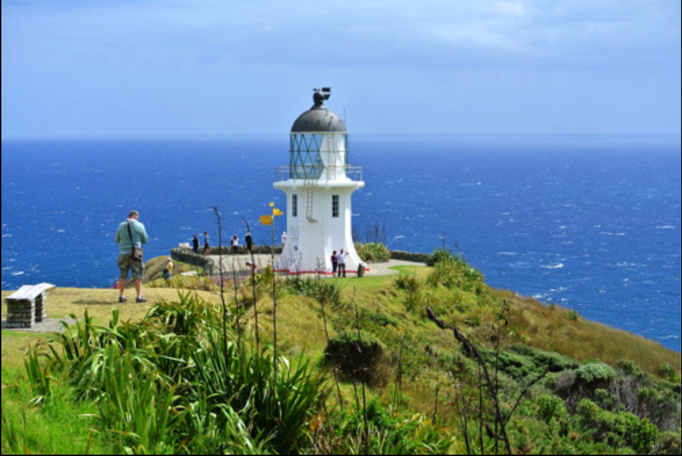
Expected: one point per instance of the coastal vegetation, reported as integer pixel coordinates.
(372, 252)
(431, 360)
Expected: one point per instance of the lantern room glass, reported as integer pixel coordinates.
(311, 154)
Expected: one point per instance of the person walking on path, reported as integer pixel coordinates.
(207, 247)
(335, 263)
(195, 243)
(235, 244)
(168, 270)
(129, 234)
(249, 242)
(342, 263)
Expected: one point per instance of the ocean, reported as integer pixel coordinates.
(588, 222)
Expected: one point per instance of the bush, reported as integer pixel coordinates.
(617, 429)
(373, 252)
(550, 407)
(384, 320)
(668, 372)
(453, 271)
(627, 366)
(669, 443)
(551, 360)
(407, 282)
(573, 315)
(596, 373)
(361, 357)
(326, 291)
(512, 364)
(390, 434)
(439, 255)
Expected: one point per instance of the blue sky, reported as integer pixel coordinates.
(221, 67)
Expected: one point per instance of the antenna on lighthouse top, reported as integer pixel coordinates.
(324, 91)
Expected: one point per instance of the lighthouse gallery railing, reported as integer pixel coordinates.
(283, 173)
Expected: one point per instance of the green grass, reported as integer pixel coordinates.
(532, 337)
(14, 346)
(58, 427)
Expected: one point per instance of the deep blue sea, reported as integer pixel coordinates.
(589, 222)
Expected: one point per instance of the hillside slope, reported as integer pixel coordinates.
(581, 388)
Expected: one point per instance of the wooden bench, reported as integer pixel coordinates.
(27, 305)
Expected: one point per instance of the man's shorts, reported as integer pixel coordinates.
(126, 263)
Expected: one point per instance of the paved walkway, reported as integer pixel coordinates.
(48, 325)
(238, 262)
(378, 269)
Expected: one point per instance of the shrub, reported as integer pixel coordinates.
(326, 291)
(384, 320)
(373, 252)
(617, 429)
(669, 443)
(668, 372)
(305, 287)
(550, 407)
(565, 381)
(407, 282)
(551, 360)
(390, 434)
(440, 255)
(627, 366)
(454, 271)
(512, 364)
(573, 315)
(361, 357)
(596, 373)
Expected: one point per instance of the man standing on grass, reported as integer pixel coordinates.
(131, 233)
(342, 262)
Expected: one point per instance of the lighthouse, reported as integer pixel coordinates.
(318, 184)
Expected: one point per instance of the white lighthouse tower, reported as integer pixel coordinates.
(318, 184)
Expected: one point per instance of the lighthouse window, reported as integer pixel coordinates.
(335, 205)
(294, 205)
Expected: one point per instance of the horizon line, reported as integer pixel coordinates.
(218, 136)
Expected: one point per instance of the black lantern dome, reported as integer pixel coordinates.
(319, 119)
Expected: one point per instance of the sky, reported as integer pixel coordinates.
(152, 68)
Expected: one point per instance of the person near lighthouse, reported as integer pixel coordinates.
(249, 241)
(342, 262)
(335, 263)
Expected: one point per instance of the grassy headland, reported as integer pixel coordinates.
(422, 378)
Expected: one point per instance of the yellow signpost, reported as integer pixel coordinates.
(270, 220)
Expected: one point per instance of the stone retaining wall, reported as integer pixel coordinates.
(187, 255)
(410, 256)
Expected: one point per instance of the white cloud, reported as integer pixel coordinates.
(186, 55)
(516, 9)
(370, 33)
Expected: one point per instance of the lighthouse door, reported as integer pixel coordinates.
(293, 236)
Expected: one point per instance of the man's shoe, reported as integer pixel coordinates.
(141, 299)
(122, 299)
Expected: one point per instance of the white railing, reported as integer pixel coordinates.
(284, 173)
